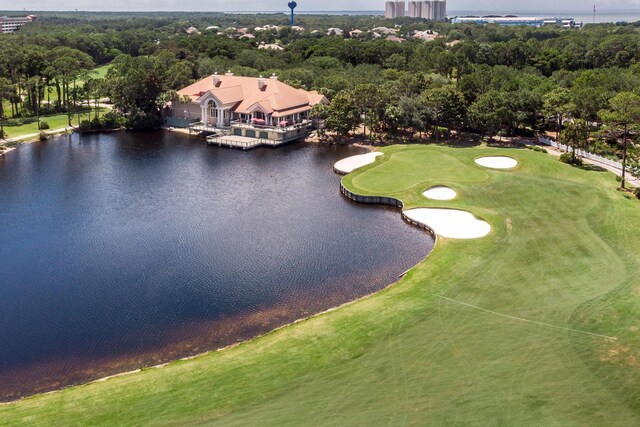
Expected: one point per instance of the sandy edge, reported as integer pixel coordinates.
(10, 149)
(230, 346)
(495, 162)
(54, 134)
(440, 193)
(349, 164)
(440, 215)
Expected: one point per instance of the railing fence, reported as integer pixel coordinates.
(582, 153)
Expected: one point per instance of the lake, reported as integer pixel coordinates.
(131, 249)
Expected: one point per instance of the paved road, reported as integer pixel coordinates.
(630, 179)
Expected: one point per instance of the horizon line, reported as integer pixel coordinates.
(302, 11)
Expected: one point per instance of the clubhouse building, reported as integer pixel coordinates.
(228, 106)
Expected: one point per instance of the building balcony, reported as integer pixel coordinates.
(274, 133)
(277, 134)
(281, 127)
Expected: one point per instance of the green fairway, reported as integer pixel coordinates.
(55, 122)
(509, 329)
(100, 72)
(51, 94)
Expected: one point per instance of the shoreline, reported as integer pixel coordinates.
(323, 366)
(401, 276)
(250, 339)
(36, 138)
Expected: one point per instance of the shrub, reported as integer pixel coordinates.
(85, 125)
(96, 123)
(27, 120)
(141, 120)
(44, 125)
(636, 191)
(43, 136)
(537, 149)
(111, 120)
(570, 160)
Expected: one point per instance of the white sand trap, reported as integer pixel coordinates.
(354, 162)
(450, 222)
(497, 162)
(439, 192)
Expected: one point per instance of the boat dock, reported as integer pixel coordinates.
(242, 142)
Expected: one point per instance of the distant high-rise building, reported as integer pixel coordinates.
(414, 9)
(10, 24)
(442, 11)
(394, 9)
(390, 10)
(426, 10)
(436, 10)
(431, 9)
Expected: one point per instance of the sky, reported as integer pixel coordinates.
(313, 5)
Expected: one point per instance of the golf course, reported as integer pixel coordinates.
(536, 323)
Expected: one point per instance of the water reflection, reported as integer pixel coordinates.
(128, 249)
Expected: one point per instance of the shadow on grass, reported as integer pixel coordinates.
(590, 167)
(515, 144)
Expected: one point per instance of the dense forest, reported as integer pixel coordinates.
(582, 85)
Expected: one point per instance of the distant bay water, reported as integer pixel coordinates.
(586, 16)
(581, 16)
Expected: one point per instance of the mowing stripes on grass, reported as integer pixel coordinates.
(525, 320)
(565, 250)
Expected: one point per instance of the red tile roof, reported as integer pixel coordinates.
(242, 94)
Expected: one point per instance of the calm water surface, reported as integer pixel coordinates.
(124, 250)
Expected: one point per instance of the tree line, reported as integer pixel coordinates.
(485, 79)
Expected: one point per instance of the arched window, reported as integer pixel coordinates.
(213, 112)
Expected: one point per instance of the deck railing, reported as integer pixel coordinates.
(272, 128)
(581, 153)
(245, 145)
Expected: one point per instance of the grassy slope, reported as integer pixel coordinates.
(563, 251)
(55, 122)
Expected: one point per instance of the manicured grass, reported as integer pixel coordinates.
(100, 72)
(97, 73)
(55, 122)
(561, 262)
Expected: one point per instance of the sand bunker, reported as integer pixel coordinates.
(439, 192)
(450, 222)
(352, 163)
(497, 162)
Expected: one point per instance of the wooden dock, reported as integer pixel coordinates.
(241, 142)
